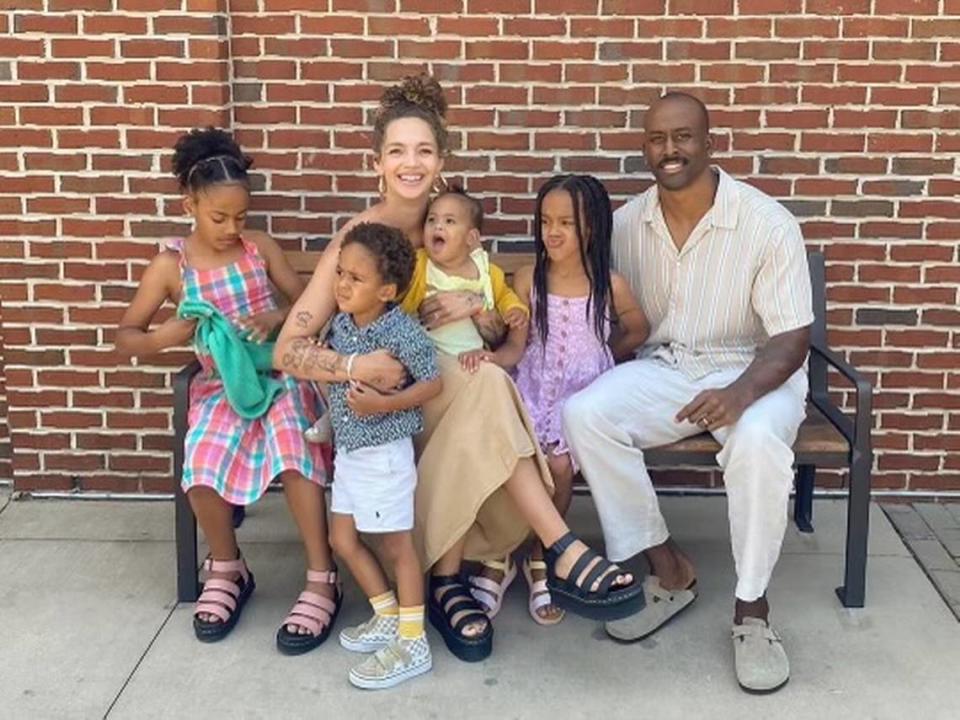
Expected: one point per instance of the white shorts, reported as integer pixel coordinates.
(375, 485)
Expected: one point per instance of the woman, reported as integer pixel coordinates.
(483, 483)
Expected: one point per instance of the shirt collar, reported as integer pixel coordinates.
(391, 310)
(726, 203)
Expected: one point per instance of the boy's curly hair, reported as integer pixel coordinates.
(391, 249)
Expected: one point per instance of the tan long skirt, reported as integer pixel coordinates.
(474, 434)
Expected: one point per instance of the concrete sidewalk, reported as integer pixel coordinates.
(89, 628)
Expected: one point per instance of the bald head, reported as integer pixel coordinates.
(680, 99)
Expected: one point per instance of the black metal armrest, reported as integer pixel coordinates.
(188, 587)
(857, 430)
(181, 394)
(181, 408)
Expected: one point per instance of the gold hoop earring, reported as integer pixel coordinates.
(381, 185)
(439, 185)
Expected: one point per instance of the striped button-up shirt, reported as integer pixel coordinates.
(740, 278)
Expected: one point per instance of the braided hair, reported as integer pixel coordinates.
(204, 157)
(593, 217)
(418, 96)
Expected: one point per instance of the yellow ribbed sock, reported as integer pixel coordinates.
(385, 604)
(411, 622)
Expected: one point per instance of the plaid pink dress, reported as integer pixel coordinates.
(239, 458)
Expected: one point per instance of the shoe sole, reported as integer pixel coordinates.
(658, 628)
(630, 605)
(762, 691)
(465, 649)
(360, 646)
(383, 684)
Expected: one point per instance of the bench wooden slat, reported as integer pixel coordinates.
(818, 442)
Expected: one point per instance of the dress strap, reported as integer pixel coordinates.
(252, 250)
(176, 245)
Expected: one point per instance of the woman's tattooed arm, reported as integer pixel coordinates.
(306, 360)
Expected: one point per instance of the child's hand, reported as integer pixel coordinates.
(470, 360)
(516, 319)
(259, 327)
(381, 370)
(365, 400)
(176, 332)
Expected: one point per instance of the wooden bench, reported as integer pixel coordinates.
(828, 438)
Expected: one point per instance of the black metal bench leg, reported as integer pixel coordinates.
(853, 592)
(188, 584)
(803, 498)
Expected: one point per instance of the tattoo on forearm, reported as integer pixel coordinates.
(305, 358)
(303, 318)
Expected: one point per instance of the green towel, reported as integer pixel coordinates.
(245, 367)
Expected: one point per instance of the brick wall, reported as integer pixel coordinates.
(847, 110)
(6, 451)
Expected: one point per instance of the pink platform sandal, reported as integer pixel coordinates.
(489, 593)
(223, 598)
(312, 611)
(539, 594)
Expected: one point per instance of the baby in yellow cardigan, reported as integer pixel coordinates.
(452, 259)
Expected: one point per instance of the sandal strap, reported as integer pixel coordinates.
(455, 600)
(540, 600)
(222, 584)
(557, 549)
(312, 611)
(501, 565)
(239, 565)
(212, 609)
(601, 571)
(586, 557)
(328, 577)
(486, 585)
(219, 597)
(439, 581)
(312, 618)
(313, 599)
(536, 564)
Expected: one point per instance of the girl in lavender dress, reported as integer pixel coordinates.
(585, 318)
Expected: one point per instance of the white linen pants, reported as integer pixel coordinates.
(633, 407)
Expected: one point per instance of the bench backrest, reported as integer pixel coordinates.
(304, 262)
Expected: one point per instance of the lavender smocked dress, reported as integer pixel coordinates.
(573, 358)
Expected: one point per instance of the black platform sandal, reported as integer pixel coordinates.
(317, 613)
(452, 612)
(610, 601)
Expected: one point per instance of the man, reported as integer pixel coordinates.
(721, 271)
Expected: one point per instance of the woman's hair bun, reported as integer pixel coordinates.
(421, 90)
(418, 96)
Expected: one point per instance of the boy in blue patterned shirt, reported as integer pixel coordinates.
(375, 473)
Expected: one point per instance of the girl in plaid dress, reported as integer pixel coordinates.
(230, 460)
